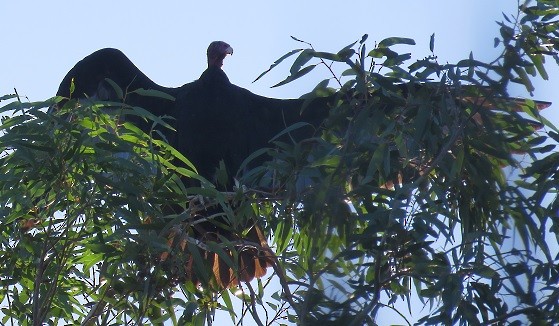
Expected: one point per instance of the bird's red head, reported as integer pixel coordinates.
(217, 52)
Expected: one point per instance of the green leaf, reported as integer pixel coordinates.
(330, 56)
(538, 62)
(387, 42)
(153, 93)
(397, 60)
(277, 62)
(524, 79)
(301, 60)
(432, 42)
(347, 51)
(299, 40)
(297, 75)
(72, 87)
(496, 42)
(485, 271)
(116, 88)
(289, 129)
(7, 97)
(228, 304)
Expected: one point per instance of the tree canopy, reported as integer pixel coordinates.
(426, 184)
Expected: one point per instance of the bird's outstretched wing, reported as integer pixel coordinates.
(93, 77)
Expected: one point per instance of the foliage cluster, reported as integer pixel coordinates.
(426, 183)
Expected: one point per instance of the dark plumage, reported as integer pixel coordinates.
(218, 121)
(215, 121)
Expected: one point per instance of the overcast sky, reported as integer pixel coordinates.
(167, 40)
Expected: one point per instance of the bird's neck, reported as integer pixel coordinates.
(213, 75)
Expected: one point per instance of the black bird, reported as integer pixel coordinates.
(215, 121)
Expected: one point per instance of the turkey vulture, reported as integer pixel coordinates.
(215, 121)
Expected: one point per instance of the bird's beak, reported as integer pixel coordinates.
(229, 50)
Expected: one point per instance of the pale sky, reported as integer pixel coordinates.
(42, 40)
(167, 40)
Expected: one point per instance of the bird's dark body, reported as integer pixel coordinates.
(214, 120)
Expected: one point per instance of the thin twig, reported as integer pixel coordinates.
(252, 310)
